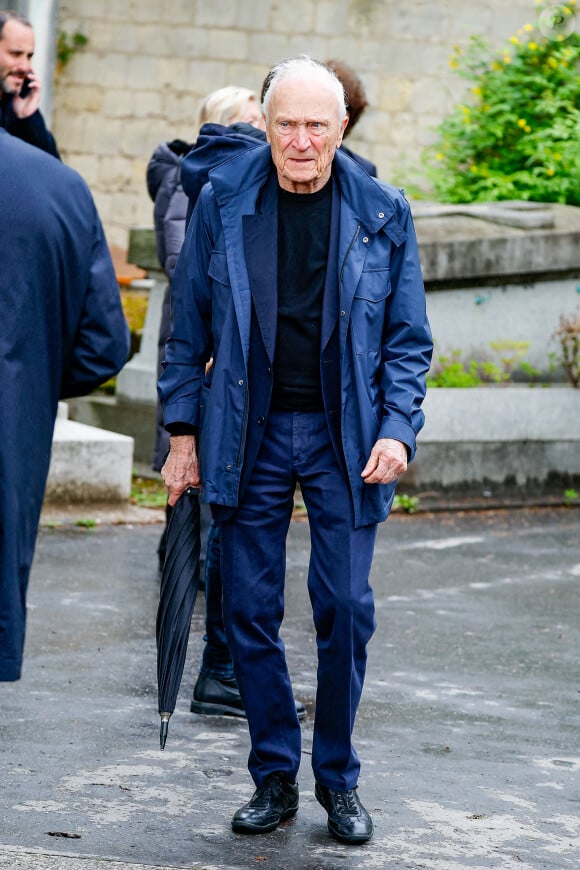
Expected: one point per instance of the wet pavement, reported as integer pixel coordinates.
(468, 730)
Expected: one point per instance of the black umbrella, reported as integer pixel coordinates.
(179, 585)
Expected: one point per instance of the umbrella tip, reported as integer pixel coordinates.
(165, 717)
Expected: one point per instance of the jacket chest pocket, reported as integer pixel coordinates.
(369, 302)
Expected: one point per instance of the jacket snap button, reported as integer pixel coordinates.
(365, 239)
(342, 313)
(241, 383)
(261, 421)
(381, 214)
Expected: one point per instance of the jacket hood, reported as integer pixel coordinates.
(215, 144)
(166, 159)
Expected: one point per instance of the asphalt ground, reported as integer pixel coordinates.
(468, 730)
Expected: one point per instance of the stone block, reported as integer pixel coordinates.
(227, 45)
(394, 95)
(293, 19)
(137, 381)
(115, 70)
(141, 73)
(510, 437)
(403, 131)
(134, 419)
(270, 46)
(328, 18)
(457, 248)
(171, 72)
(88, 464)
(218, 13)
(86, 166)
(118, 103)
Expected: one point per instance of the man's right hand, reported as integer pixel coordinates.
(181, 467)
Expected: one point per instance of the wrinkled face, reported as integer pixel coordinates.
(304, 131)
(16, 50)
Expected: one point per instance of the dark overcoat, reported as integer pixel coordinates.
(62, 333)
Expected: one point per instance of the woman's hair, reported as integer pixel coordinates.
(356, 98)
(299, 65)
(225, 105)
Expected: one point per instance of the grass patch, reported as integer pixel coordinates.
(148, 492)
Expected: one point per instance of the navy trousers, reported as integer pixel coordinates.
(297, 448)
(216, 660)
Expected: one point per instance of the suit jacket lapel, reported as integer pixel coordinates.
(330, 304)
(260, 233)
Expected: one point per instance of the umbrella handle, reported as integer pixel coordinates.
(164, 728)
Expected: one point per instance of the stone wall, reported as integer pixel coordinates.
(147, 65)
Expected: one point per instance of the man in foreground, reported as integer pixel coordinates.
(300, 274)
(62, 333)
(20, 86)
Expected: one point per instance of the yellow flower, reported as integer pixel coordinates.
(514, 40)
(528, 27)
(557, 156)
(522, 122)
(532, 46)
(552, 62)
(507, 58)
(551, 171)
(453, 63)
(496, 66)
(476, 91)
(473, 167)
(527, 129)
(439, 155)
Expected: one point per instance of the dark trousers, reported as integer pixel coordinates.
(296, 448)
(216, 661)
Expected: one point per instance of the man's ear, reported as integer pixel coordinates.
(342, 129)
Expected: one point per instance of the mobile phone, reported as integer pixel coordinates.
(25, 89)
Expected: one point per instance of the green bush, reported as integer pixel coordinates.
(517, 134)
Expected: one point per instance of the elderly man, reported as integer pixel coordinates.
(62, 333)
(19, 84)
(300, 275)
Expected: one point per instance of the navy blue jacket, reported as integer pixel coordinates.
(62, 333)
(226, 280)
(172, 209)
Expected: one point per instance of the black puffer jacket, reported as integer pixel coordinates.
(170, 209)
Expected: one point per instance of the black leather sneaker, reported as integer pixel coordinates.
(213, 697)
(271, 803)
(348, 821)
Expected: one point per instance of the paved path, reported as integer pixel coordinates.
(468, 730)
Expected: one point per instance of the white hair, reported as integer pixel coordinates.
(299, 66)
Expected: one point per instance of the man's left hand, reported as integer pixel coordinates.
(387, 462)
